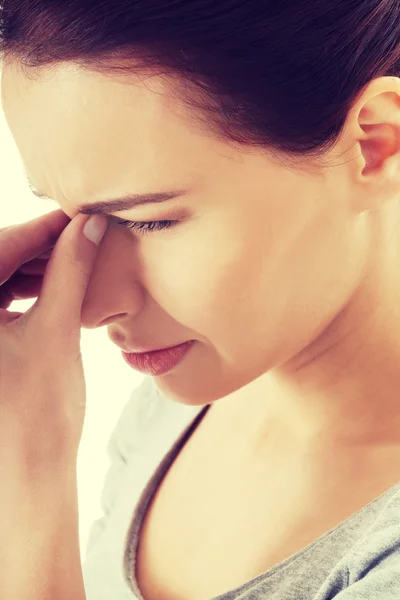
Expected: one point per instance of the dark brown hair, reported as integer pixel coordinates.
(281, 75)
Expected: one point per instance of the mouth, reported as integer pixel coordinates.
(158, 362)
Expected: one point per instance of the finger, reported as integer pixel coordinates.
(44, 256)
(20, 243)
(66, 279)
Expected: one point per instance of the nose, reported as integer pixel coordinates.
(114, 292)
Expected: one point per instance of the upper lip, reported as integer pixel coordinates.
(143, 349)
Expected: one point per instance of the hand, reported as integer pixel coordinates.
(42, 386)
(22, 265)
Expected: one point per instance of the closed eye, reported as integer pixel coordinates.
(145, 227)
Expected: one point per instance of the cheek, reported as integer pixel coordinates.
(201, 284)
(261, 298)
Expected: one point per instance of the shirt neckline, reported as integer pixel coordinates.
(130, 553)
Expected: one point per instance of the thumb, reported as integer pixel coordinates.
(67, 275)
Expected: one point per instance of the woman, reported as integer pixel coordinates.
(265, 463)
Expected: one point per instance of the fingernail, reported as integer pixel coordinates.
(95, 228)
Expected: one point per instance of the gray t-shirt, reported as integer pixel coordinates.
(357, 560)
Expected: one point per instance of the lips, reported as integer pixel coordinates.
(159, 362)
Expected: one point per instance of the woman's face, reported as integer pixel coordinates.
(261, 259)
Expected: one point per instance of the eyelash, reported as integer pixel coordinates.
(140, 227)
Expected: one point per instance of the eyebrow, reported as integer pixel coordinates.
(107, 207)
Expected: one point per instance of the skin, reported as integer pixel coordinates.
(287, 278)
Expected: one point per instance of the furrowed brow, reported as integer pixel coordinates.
(108, 207)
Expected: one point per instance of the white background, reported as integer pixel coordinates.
(109, 379)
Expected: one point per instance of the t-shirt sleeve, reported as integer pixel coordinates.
(120, 446)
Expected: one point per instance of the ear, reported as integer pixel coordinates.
(373, 126)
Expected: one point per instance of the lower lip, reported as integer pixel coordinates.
(158, 362)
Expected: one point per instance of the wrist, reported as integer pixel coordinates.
(39, 526)
(35, 458)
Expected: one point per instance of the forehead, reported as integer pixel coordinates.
(75, 121)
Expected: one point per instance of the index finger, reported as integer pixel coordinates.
(23, 242)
